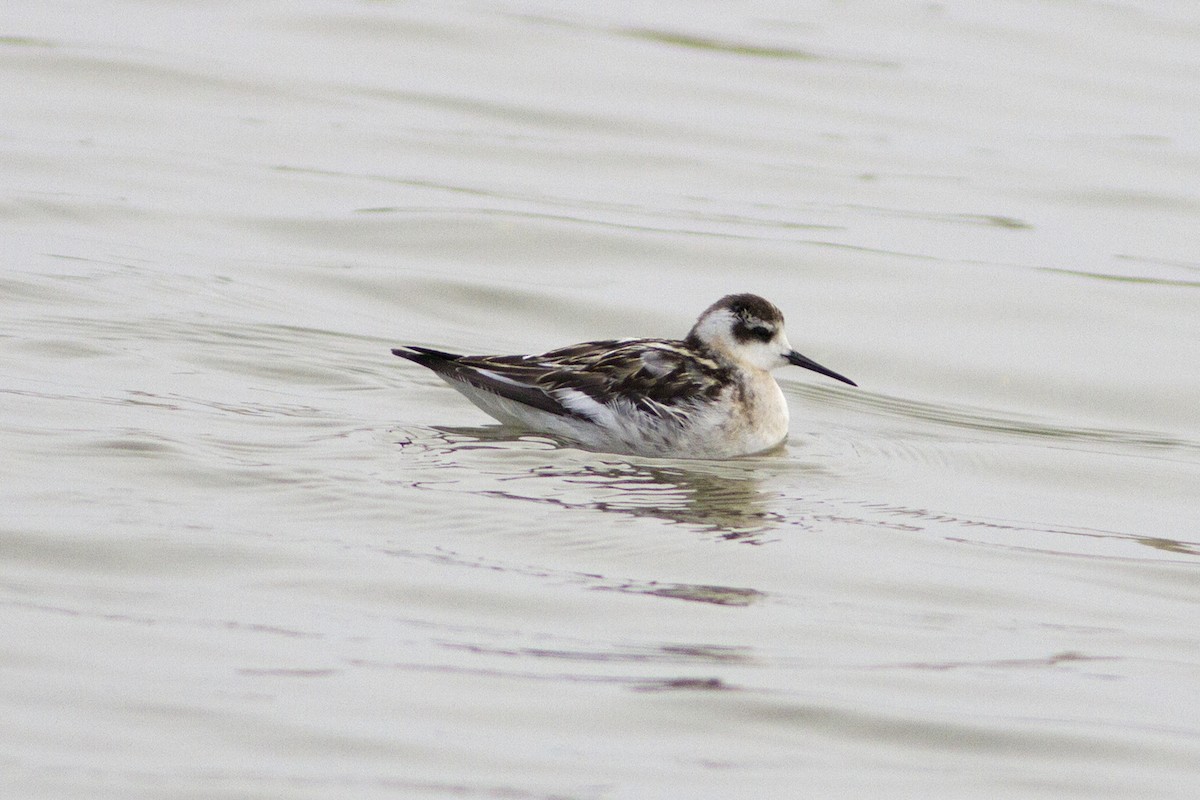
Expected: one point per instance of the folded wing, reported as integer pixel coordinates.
(660, 378)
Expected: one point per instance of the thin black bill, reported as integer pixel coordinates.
(806, 362)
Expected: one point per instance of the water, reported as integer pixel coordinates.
(248, 553)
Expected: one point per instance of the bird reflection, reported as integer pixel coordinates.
(722, 498)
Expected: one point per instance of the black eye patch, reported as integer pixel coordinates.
(744, 332)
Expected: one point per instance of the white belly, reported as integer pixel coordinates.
(736, 424)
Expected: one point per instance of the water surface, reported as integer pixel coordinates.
(248, 553)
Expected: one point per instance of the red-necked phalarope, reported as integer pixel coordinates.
(710, 395)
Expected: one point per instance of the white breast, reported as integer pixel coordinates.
(736, 423)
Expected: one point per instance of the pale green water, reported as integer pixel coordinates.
(245, 552)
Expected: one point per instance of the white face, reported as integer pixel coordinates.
(717, 331)
(766, 355)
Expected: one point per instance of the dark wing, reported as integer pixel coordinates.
(655, 376)
(479, 371)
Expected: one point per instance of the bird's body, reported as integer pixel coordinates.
(710, 395)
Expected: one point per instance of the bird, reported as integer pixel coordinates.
(709, 395)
